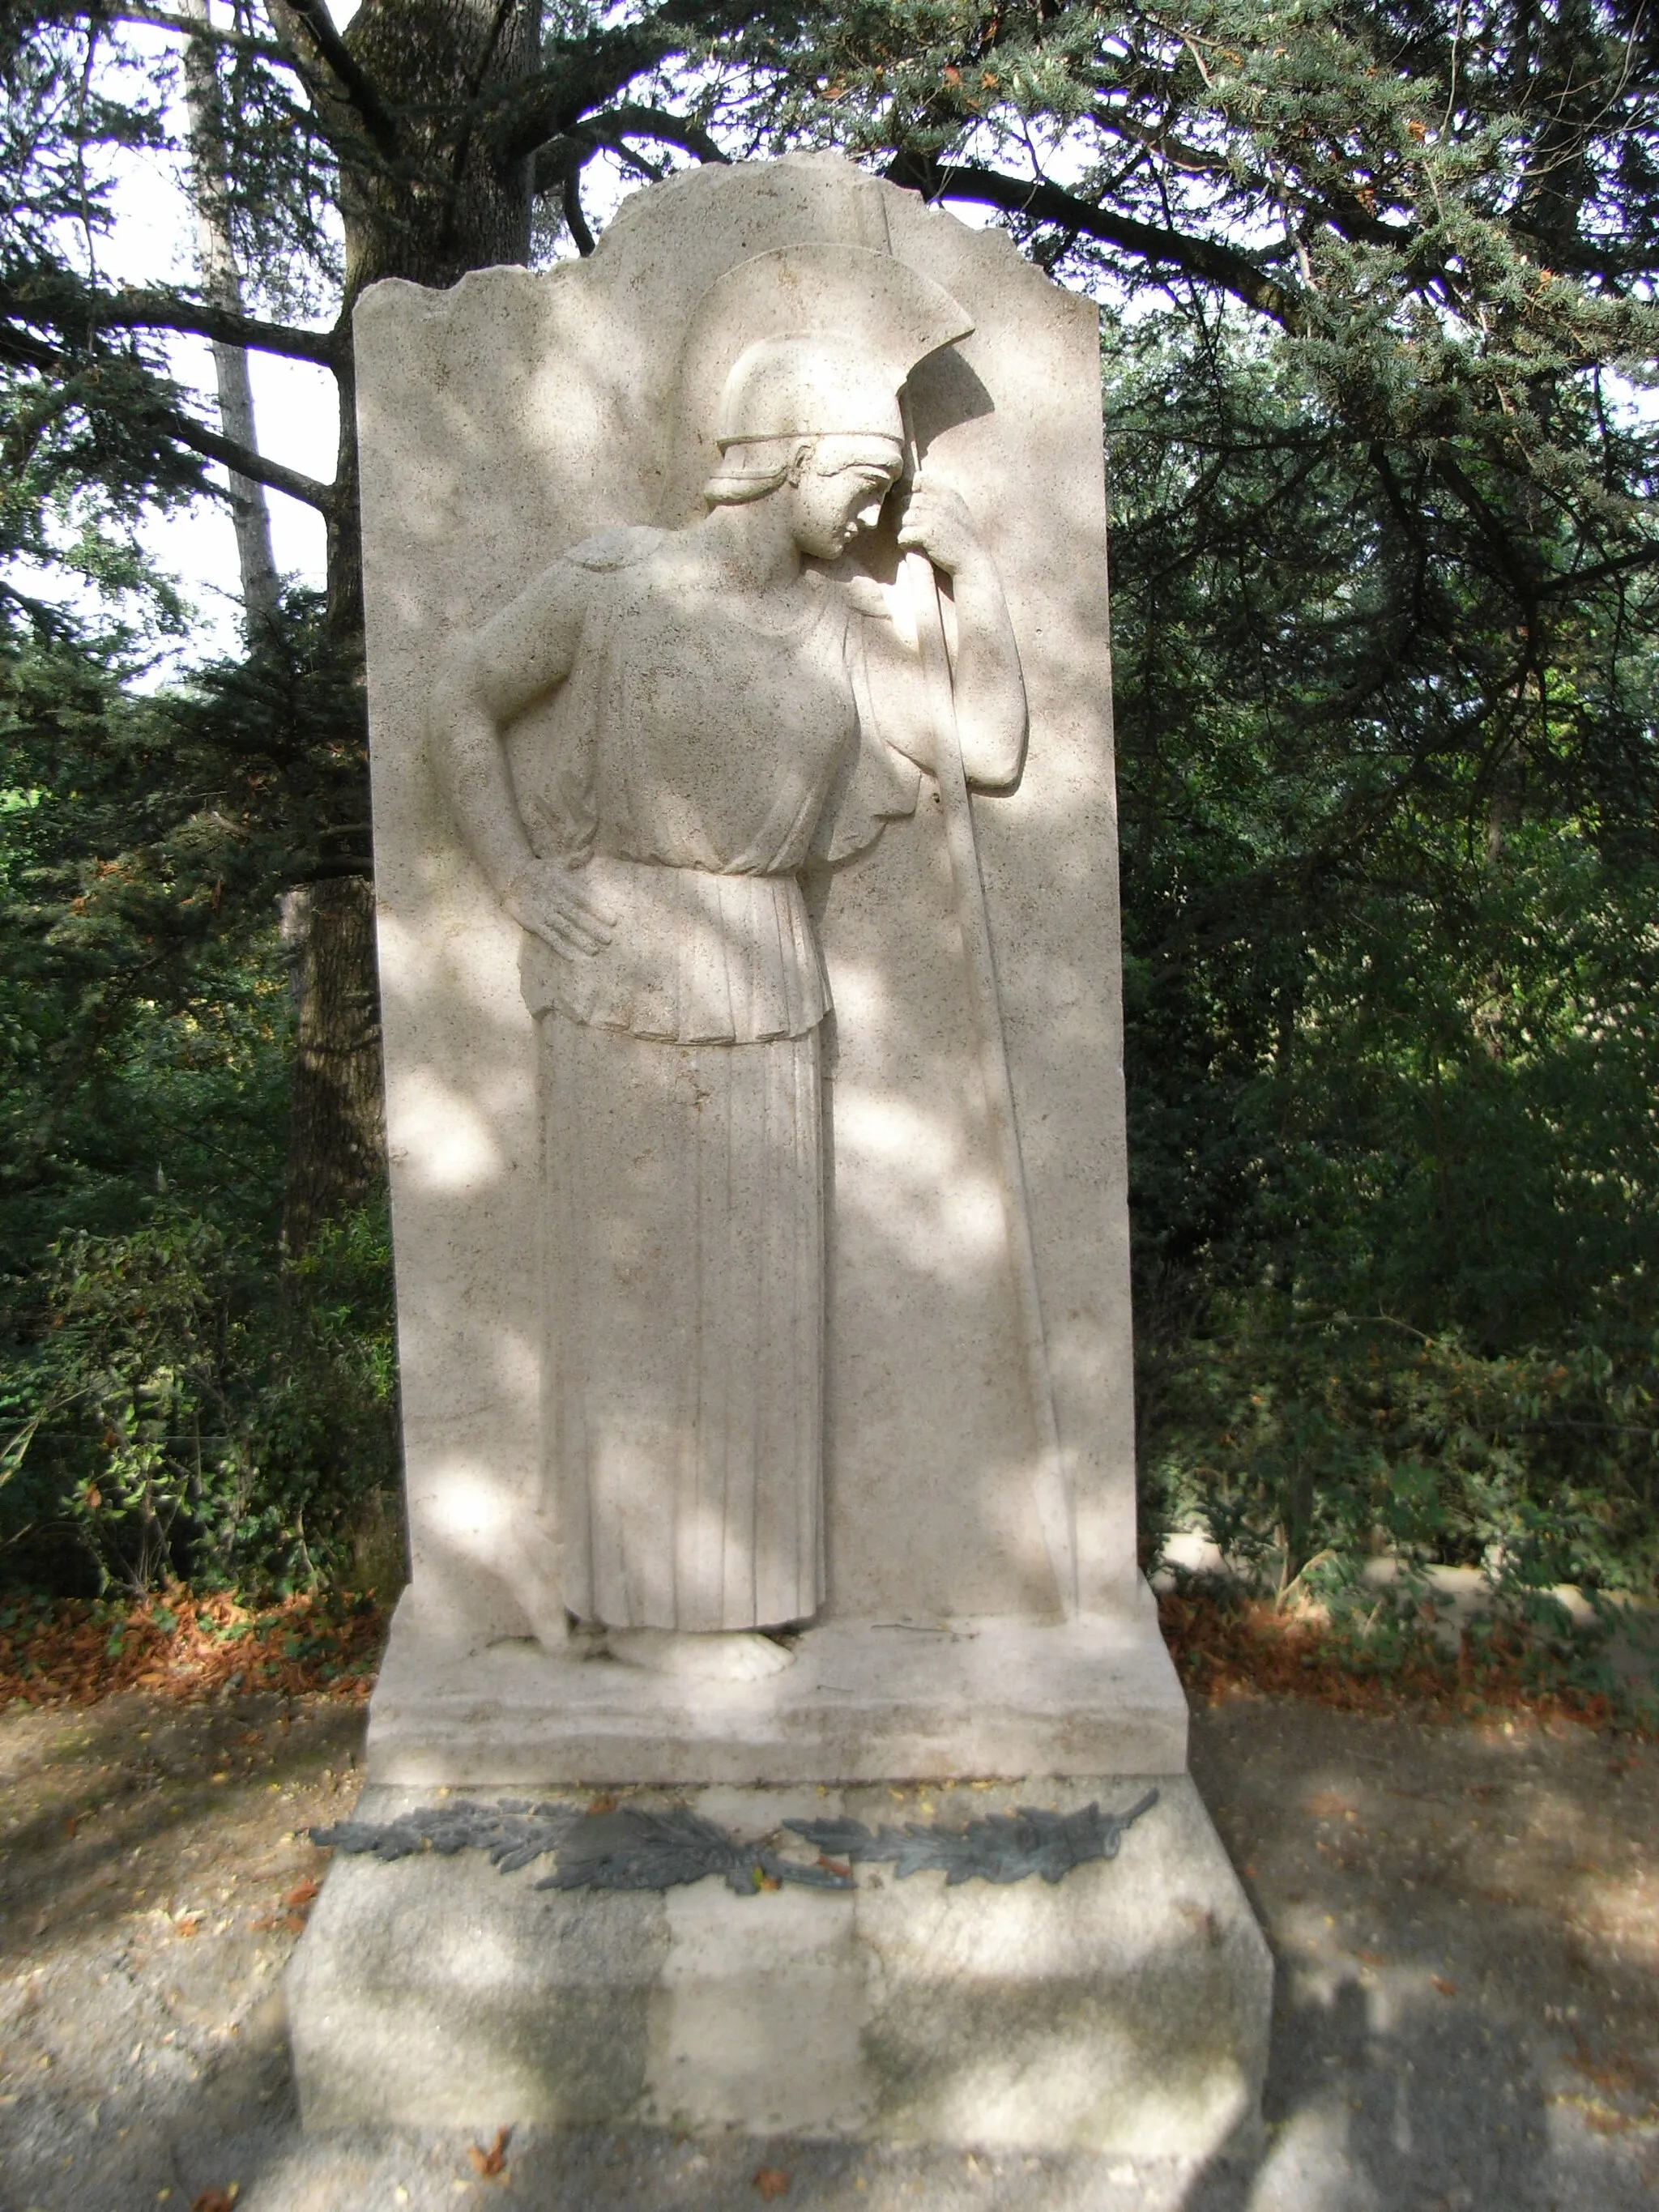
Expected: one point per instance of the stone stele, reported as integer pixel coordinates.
(745, 855)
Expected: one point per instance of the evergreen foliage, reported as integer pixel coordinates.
(1377, 293)
(173, 1405)
(1390, 894)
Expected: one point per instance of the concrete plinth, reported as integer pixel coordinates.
(865, 1701)
(1123, 2009)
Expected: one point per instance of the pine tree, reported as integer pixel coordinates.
(1377, 286)
(420, 130)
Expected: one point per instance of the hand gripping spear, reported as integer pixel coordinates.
(1051, 1482)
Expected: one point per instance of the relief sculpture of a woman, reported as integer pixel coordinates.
(732, 702)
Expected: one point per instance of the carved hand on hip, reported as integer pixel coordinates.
(543, 897)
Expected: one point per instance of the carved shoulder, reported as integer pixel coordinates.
(616, 549)
(530, 646)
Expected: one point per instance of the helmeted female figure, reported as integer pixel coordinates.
(732, 702)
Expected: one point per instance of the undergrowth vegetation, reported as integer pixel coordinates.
(1379, 334)
(190, 1413)
(176, 1644)
(178, 1400)
(1391, 882)
(1227, 1644)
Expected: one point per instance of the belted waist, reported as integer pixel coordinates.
(695, 959)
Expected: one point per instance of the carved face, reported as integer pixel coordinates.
(837, 489)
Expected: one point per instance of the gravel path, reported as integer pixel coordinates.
(1466, 1921)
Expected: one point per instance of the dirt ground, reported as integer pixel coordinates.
(1465, 1918)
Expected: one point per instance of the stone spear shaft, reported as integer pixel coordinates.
(1051, 1484)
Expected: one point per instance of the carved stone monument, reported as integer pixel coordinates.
(740, 715)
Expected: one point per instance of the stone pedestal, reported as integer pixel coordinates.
(1123, 2009)
(864, 1701)
(827, 1312)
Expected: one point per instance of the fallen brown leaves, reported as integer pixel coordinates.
(1605, 2120)
(772, 2181)
(73, 1653)
(1609, 2117)
(218, 2200)
(490, 2165)
(1614, 2074)
(294, 1911)
(297, 1908)
(1226, 1646)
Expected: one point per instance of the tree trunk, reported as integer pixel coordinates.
(223, 285)
(337, 1146)
(440, 207)
(427, 209)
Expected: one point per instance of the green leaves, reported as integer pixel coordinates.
(173, 1404)
(186, 1416)
(1389, 778)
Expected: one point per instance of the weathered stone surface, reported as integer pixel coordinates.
(1122, 2010)
(444, 1997)
(863, 1702)
(720, 1311)
(503, 424)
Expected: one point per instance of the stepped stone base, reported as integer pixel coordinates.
(1123, 2009)
(865, 1701)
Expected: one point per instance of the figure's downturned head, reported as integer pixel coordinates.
(798, 346)
(809, 385)
(802, 400)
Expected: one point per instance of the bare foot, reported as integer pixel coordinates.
(737, 1656)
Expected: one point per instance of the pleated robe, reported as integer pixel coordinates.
(697, 763)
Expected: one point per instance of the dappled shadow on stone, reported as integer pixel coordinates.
(1521, 1873)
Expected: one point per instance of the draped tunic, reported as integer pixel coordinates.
(695, 762)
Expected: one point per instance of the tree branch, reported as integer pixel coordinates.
(236, 41)
(74, 311)
(1202, 258)
(17, 346)
(582, 74)
(52, 620)
(351, 83)
(243, 461)
(1599, 572)
(628, 122)
(612, 127)
(576, 221)
(660, 124)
